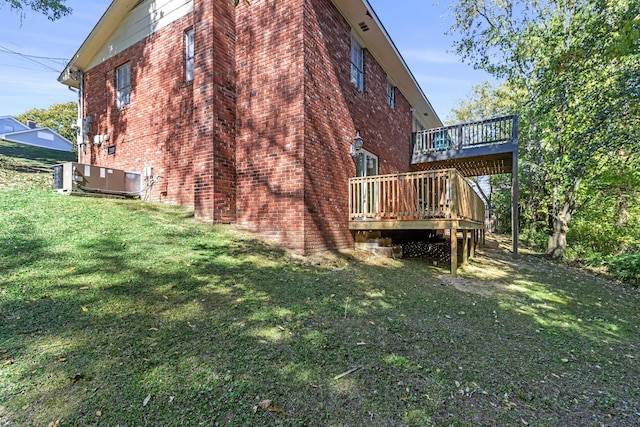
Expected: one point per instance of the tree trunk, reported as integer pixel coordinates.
(559, 219)
(557, 243)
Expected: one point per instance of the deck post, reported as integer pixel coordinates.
(514, 190)
(454, 252)
(474, 234)
(465, 246)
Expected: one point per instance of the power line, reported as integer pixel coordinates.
(32, 58)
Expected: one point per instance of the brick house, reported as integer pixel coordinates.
(248, 115)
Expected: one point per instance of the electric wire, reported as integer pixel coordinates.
(32, 58)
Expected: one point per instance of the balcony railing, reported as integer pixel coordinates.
(501, 130)
(429, 195)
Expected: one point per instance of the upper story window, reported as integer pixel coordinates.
(357, 64)
(123, 85)
(189, 53)
(391, 95)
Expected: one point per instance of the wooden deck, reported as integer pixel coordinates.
(429, 200)
(437, 197)
(434, 200)
(486, 147)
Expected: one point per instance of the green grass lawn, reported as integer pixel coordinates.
(119, 312)
(24, 166)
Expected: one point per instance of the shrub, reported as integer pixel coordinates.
(625, 267)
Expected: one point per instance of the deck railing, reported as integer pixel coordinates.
(500, 130)
(414, 196)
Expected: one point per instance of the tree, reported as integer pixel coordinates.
(59, 117)
(52, 9)
(577, 66)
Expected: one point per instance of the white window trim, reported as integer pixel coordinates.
(391, 94)
(357, 63)
(123, 85)
(189, 53)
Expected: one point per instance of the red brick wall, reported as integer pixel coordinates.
(270, 133)
(334, 110)
(297, 116)
(184, 130)
(262, 135)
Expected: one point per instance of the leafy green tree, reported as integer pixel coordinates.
(52, 9)
(577, 67)
(59, 117)
(485, 101)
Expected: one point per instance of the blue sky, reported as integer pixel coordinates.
(417, 27)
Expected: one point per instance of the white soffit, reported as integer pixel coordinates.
(360, 16)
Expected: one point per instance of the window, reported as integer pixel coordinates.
(123, 85)
(357, 64)
(366, 164)
(189, 53)
(391, 95)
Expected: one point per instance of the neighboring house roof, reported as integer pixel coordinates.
(358, 13)
(12, 130)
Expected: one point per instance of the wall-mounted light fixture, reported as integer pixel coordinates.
(356, 146)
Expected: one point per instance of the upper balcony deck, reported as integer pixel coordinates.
(485, 147)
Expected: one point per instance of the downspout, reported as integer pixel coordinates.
(78, 75)
(82, 145)
(78, 127)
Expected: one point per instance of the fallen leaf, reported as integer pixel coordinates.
(153, 329)
(265, 404)
(171, 398)
(24, 408)
(274, 409)
(192, 326)
(146, 400)
(84, 288)
(98, 413)
(62, 359)
(54, 423)
(84, 308)
(280, 327)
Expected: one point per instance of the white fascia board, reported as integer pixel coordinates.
(378, 42)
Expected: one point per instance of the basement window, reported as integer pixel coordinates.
(357, 64)
(123, 85)
(189, 53)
